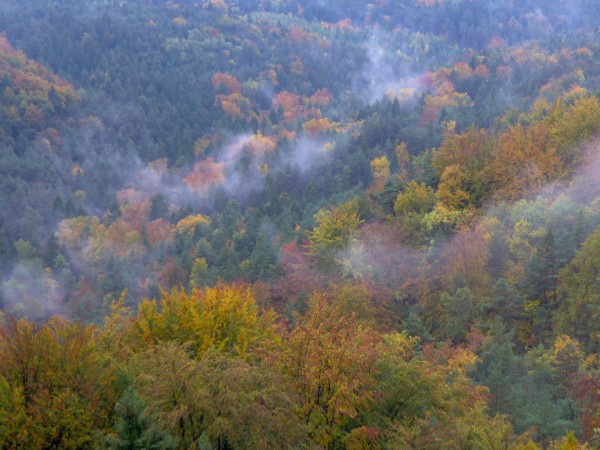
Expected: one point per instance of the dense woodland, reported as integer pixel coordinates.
(299, 224)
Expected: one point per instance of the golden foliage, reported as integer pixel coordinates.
(380, 168)
(188, 224)
(315, 127)
(452, 190)
(224, 318)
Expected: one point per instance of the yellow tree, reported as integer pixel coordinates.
(416, 199)
(380, 167)
(453, 188)
(224, 317)
(412, 207)
(575, 124)
(403, 158)
(55, 388)
(333, 233)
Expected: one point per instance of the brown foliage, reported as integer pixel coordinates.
(206, 173)
(330, 359)
(225, 83)
(523, 161)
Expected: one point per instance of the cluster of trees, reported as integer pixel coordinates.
(345, 239)
(34, 103)
(212, 369)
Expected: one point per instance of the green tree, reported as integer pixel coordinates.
(458, 311)
(578, 313)
(410, 391)
(135, 429)
(217, 399)
(500, 369)
(547, 407)
(541, 282)
(264, 261)
(413, 326)
(541, 276)
(507, 303)
(199, 275)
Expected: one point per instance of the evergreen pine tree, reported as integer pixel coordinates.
(136, 430)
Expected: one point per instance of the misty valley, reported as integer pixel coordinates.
(294, 224)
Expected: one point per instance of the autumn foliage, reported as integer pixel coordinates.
(267, 226)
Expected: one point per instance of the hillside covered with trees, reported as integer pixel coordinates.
(299, 224)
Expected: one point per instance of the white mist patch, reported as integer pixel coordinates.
(238, 168)
(32, 293)
(231, 152)
(241, 159)
(387, 73)
(240, 165)
(377, 252)
(585, 185)
(248, 160)
(309, 153)
(156, 179)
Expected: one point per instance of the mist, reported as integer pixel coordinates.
(368, 198)
(32, 293)
(138, 132)
(379, 251)
(387, 73)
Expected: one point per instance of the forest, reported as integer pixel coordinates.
(300, 224)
